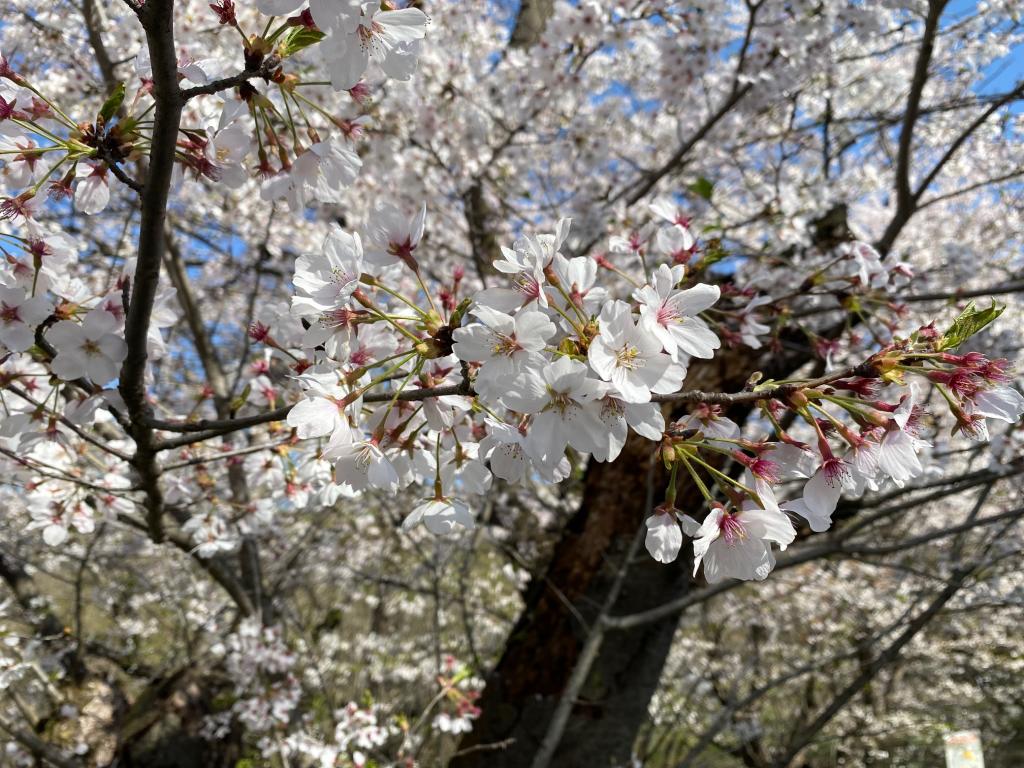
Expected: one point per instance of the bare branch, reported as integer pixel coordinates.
(886, 657)
(268, 66)
(905, 201)
(157, 18)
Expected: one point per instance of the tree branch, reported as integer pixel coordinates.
(157, 17)
(205, 429)
(38, 747)
(886, 657)
(904, 197)
(264, 70)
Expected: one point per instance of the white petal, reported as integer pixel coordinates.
(664, 537)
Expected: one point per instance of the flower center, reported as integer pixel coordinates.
(612, 409)
(667, 314)
(503, 345)
(365, 457)
(9, 314)
(367, 32)
(528, 285)
(560, 401)
(336, 318)
(402, 250)
(629, 357)
(731, 529)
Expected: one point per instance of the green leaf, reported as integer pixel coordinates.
(970, 322)
(456, 319)
(112, 104)
(703, 187)
(298, 38)
(243, 396)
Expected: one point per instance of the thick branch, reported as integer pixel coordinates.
(91, 16)
(157, 18)
(904, 196)
(640, 188)
(913, 106)
(212, 565)
(249, 557)
(530, 22)
(197, 327)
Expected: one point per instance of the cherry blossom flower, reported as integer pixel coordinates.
(630, 358)
(862, 459)
(20, 160)
(677, 244)
(578, 277)
(751, 328)
(360, 726)
(322, 172)
(818, 502)
(92, 192)
(211, 534)
(507, 346)
(671, 315)
(737, 544)
(19, 315)
(897, 450)
(393, 236)
(55, 512)
(327, 279)
(44, 264)
(441, 516)
(617, 415)
(709, 420)
(562, 397)
(664, 536)
(445, 723)
(322, 412)
(370, 344)
(339, 15)
(90, 349)
(443, 412)
(362, 465)
(228, 143)
(1002, 403)
(525, 262)
(505, 446)
(24, 207)
(861, 262)
(670, 211)
(460, 468)
(384, 36)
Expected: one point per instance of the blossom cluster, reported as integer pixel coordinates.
(270, 131)
(411, 384)
(414, 379)
(260, 665)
